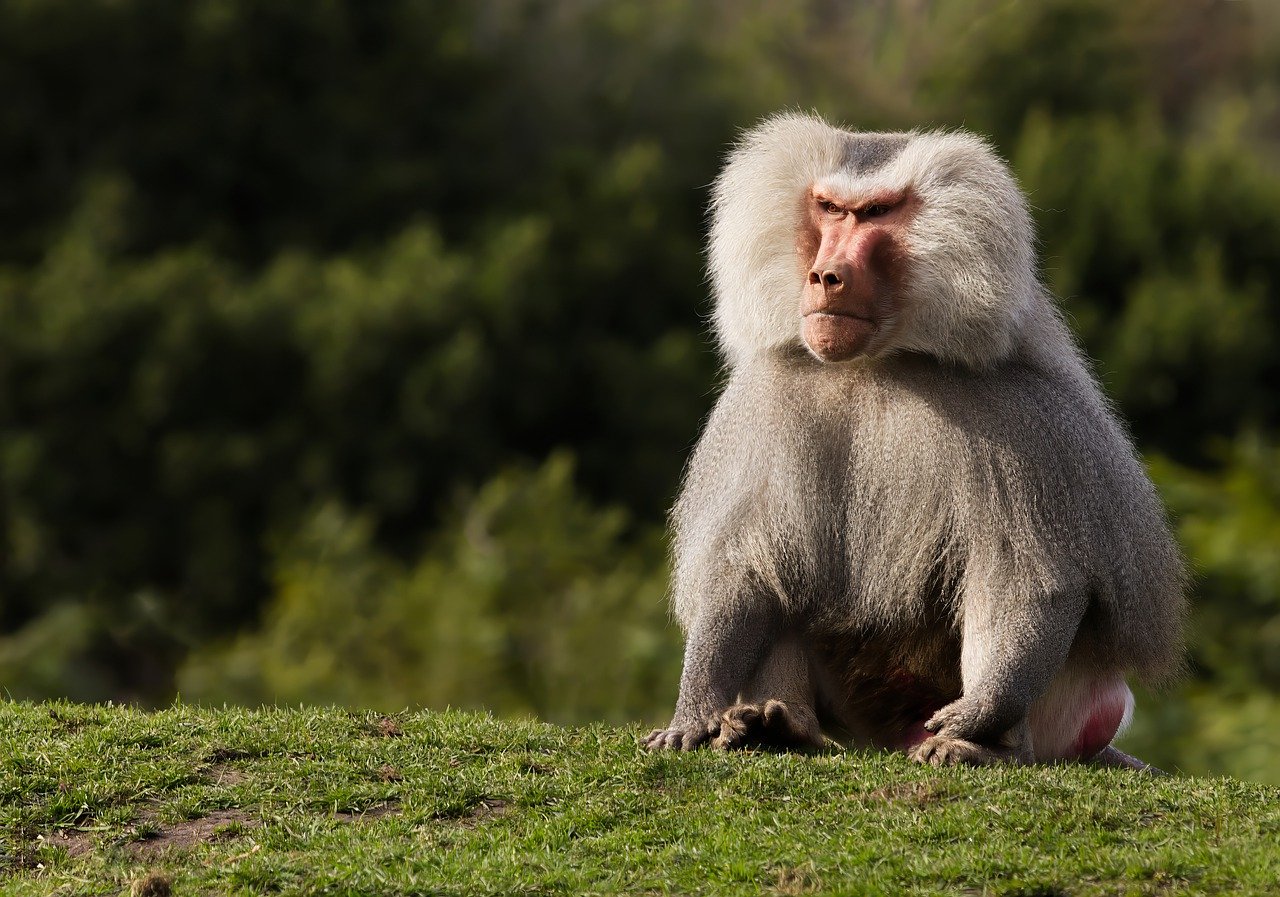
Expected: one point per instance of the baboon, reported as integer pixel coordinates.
(912, 521)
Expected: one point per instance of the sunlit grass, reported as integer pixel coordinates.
(93, 800)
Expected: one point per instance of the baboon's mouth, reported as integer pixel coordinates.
(837, 336)
(866, 318)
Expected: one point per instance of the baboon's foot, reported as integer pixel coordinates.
(943, 750)
(1111, 756)
(681, 737)
(776, 725)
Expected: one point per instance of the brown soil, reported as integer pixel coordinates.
(180, 836)
(75, 843)
(485, 808)
(185, 835)
(388, 728)
(911, 792)
(388, 808)
(225, 774)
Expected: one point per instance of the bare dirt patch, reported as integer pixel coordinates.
(910, 792)
(488, 806)
(382, 726)
(74, 842)
(386, 727)
(386, 808)
(215, 826)
(483, 809)
(796, 880)
(225, 774)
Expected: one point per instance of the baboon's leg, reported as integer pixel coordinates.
(724, 648)
(1012, 648)
(776, 710)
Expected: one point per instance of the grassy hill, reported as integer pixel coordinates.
(104, 800)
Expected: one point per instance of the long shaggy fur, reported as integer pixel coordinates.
(974, 468)
(972, 260)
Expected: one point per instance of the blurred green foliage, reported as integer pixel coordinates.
(351, 352)
(528, 600)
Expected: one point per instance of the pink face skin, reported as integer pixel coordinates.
(854, 251)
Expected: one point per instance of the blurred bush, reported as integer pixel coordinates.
(304, 309)
(529, 600)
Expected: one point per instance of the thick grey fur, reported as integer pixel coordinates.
(960, 507)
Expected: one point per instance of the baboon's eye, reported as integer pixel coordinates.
(876, 210)
(831, 208)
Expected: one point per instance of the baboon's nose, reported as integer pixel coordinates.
(831, 278)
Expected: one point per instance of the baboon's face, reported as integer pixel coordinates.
(853, 256)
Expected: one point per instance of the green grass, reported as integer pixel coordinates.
(93, 800)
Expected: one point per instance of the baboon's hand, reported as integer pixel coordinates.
(965, 718)
(973, 732)
(942, 750)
